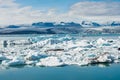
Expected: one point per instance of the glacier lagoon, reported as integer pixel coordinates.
(62, 73)
(54, 55)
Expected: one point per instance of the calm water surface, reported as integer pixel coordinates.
(62, 73)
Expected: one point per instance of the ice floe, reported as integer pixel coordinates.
(59, 50)
(50, 61)
(14, 62)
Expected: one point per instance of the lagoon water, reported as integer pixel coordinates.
(62, 73)
(96, 72)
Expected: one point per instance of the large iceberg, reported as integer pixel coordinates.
(50, 61)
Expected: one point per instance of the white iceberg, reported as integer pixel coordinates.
(34, 55)
(101, 41)
(50, 61)
(105, 58)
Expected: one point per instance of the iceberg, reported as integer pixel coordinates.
(14, 62)
(50, 61)
(34, 55)
(105, 58)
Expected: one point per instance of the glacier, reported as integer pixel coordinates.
(57, 50)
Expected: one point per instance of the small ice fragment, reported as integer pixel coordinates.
(100, 41)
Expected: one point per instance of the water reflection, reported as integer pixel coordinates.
(11, 67)
(101, 65)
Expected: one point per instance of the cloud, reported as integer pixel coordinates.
(95, 9)
(13, 13)
(8, 3)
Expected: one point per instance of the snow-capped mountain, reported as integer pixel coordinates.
(90, 24)
(62, 27)
(54, 24)
(113, 23)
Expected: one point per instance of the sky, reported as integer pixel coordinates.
(29, 11)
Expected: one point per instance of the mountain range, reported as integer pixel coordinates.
(62, 27)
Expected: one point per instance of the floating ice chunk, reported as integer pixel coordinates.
(14, 62)
(30, 62)
(77, 49)
(50, 61)
(19, 42)
(105, 58)
(34, 55)
(100, 41)
(82, 43)
(116, 61)
(66, 38)
(2, 57)
(39, 44)
(83, 63)
(91, 58)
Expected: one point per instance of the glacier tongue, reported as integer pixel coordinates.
(60, 50)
